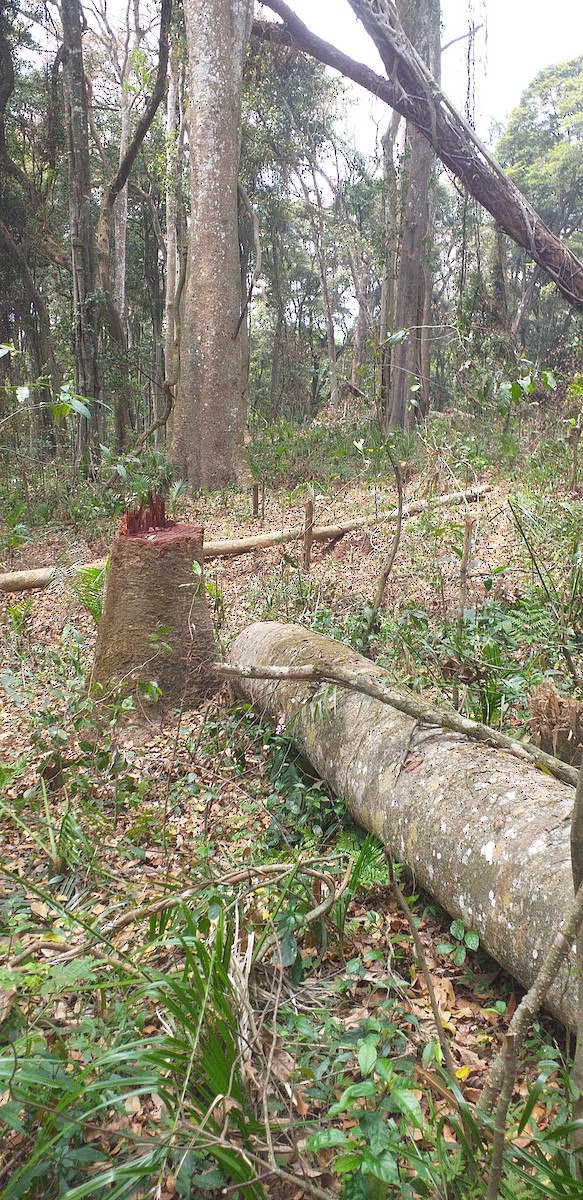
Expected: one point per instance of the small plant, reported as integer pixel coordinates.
(463, 940)
(88, 584)
(18, 613)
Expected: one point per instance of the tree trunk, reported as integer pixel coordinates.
(484, 832)
(410, 359)
(155, 624)
(174, 154)
(209, 415)
(317, 227)
(81, 232)
(390, 252)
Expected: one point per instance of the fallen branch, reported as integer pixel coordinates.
(412, 705)
(41, 577)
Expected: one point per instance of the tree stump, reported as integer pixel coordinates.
(155, 624)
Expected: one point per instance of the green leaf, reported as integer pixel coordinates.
(78, 406)
(445, 947)
(346, 1162)
(384, 1068)
(472, 940)
(408, 1104)
(459, 956)
(287, 951)
(10, 1115)
(533, 1096)
(383, 1166)
(375, 1132)
(356, 1091)
(326, 1138)
(367, 1056)
(457, 930)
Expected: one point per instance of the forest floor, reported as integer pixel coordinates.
(174, 793)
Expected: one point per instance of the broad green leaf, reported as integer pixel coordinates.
(327, 1138)
(408, 1104)
(79, 407)
(287, 951)
(367, 1056)
(375, 1132)
(346, 1162)
(383, 1166)
(384, 1068)
(356, 1091)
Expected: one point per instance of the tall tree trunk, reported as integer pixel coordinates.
(209, 416)
(81, 230)
(317, 227)
(173, 166)
(391, 223)
(409, 376)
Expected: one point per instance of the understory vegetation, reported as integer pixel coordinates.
(209, 982)
(224, 303)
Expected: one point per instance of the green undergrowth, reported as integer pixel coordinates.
(170, 1033)
(189, 1006)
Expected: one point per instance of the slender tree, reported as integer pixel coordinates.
(81, 229)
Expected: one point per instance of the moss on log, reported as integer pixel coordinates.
(484, 832)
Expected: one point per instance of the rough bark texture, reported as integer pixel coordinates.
(484, 833)
(411, 91)
(410, 358)
(209, 416)
(152, 596)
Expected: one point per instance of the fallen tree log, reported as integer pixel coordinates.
(484, 832)
(42, 577)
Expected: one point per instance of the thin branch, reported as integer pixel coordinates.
(121, 176)
(495, 1175)
(388, 565)
(410, 704)
(420, 953)
(462, 37)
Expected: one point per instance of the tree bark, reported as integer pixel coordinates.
(81, 233)
(209, 415)
(411, 90)
(410, 358)
(485, 833)
(155, 623)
